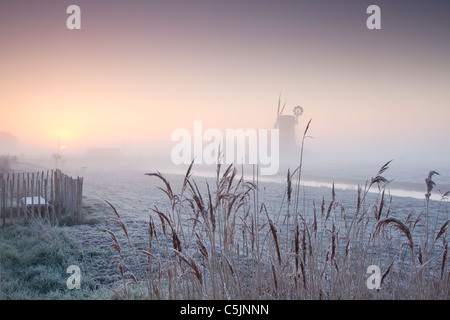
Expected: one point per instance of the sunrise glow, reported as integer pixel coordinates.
(134, 75)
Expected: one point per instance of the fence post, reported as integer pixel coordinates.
(79, 197)
(46, 201)
(65, 195)
(57, 187)
(18, 196)
(7, 186)
(39, 197)
(32, 195)
(2, 202)
(24, 192)
(11, 184)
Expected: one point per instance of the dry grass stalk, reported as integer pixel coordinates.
(296, 246)
(442, 230)
(302, 269)
(176, 242)
(274, 274)
(379, 179)
(289, 186)
(418, 219)
(385, 273)
(444, 259)
(168, 190)
(147, 253)
(397, 224)
(202, 247)
(330, 206)
(192, 264)
(115, 245)
(226, 267)
(430, 183)
(380, 209)
(273, 230)
(314, 225)
(114, 209)
(420, 255)
(151, 232)
(322, 208)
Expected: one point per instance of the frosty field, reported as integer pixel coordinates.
(135, 194)
(242, 240)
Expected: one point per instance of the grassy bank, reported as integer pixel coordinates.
(34, 257)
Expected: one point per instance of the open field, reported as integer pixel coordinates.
(223, 237)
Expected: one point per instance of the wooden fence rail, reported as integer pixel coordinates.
(45, 194)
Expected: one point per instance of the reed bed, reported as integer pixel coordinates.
(219, 240)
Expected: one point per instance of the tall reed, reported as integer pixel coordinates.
(219, 240)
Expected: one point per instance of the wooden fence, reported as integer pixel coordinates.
(44, 194)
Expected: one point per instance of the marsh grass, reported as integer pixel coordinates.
(219, 240)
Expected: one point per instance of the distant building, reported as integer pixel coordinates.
(289, 147)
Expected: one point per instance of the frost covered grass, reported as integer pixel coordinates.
(34, 257)
(221, 240)
(224, 243)
(226, 237)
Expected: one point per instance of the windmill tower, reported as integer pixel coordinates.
(287, 126)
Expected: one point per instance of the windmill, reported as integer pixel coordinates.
(298, 111)
(287, 125)
(279, 113)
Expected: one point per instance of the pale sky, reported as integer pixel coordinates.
(138, 70)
